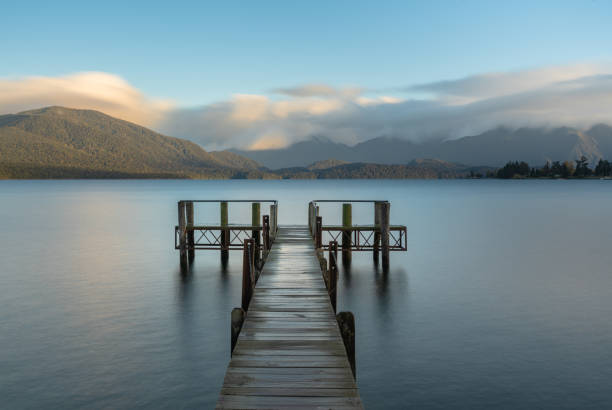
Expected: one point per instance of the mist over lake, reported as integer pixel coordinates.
(503, 299)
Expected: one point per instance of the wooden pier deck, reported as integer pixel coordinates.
(290, 353)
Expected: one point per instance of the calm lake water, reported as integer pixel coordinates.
(503, 300)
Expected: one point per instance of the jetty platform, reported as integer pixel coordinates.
(290, 353)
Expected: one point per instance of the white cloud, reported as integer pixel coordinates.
(90, 90)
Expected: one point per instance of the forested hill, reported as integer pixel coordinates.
(58, 142)
(417, 169)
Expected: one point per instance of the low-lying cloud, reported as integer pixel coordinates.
(577, 95)
(88, 90)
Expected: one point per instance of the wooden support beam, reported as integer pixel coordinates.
(184, 262)
(376, 250)
(225, 235)
(332, 286)
(273, 221)
(319, 233)
(266, 233)
(385, 213)
(310, 217)
(190, 234)
(238, 316)
(347, 223)
(248, 282)
(256, 221)
(346, 322)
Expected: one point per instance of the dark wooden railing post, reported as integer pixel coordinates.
(376, 244)
(332, 286)
(347, 223)
(184, 262)
(225, 235)
(266, 233)
(319, 233)
(256, 235)
(310, 213)
(190, 233)
(385, 211)
(254, 271)
(273, 222)
(238, 316)
(247, 273)
(346, 322)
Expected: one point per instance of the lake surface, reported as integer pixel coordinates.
(503, 300)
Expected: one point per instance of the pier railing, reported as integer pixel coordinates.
(381, 237)
(212, 237)
(190, 236)
(363, 237)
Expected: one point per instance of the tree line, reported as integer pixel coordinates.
(556, 169)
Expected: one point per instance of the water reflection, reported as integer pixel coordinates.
(484, 311)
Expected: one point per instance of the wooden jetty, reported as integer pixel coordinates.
(290, 350)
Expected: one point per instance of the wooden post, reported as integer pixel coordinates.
(273, 222)
(376, 247)
(190, 233)
(310, 213)
(347, 223)
(385, 212)
(255, 221)
(184, 262)
(225, 235)
(346, 323)
(319, 233)
(332, 288)
(238, 316)
(247, 273)
(266, 232)
(315, 211)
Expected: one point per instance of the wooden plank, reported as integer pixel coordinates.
(280, 402)
(290, 354)
(294, 392)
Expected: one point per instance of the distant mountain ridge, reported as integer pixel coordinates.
(58, 142)
(492, 148)
(417, 169)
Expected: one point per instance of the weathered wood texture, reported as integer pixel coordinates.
(290, 352)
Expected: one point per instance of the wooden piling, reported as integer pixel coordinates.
(184, 262)
(319, 232)
(248, 277)
(376, 244)
(255, 221)
(273, 221)
(347, 223)
(190, 233)
(238, 316)
(346, 322)
(310, 214)
(385, 213)
(332, 286)
(225, 235)
(266, 233)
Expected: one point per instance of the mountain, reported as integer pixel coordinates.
(328, 163)
(492, 148)
(301, 154)
(420, 168)
(58, 142)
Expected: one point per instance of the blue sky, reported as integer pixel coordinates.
(266, 74)
(199, 52)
